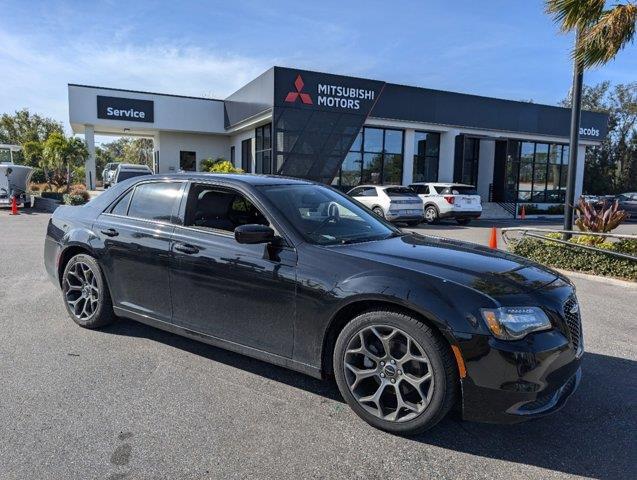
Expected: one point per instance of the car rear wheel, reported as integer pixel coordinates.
(379, 211)
(86, 296)
(431, 214)
(395, 372)
(463, 221)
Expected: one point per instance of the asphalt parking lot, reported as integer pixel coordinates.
(134, 402)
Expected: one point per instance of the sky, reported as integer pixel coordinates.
(500, 48)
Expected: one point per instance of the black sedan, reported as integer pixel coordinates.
(299, 275)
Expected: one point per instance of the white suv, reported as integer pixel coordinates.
(108, 173)
(449, 200)
(395, 203)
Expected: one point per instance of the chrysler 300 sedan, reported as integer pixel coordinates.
(297, 274)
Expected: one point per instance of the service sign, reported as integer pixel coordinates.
(127, 109)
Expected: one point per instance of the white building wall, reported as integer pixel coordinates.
(205, 146)
(447, 153)
(485, 167)
(408, 158)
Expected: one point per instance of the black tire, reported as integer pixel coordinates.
(102, 311)
(443, 367)
(463, 221)
(431, 214)
(379, 211)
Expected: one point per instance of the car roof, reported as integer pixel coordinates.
(443, 184)
(246, 178)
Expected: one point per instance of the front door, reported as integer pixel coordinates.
(236, 292)
(135, 248)
(246, 155)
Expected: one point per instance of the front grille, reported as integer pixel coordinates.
(573, 321)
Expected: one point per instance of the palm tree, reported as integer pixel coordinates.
(600, 34)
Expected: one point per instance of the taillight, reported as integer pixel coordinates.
(450, 199)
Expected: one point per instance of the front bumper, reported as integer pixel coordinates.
(509, 382)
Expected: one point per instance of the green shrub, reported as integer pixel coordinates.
(78, 195)
(54, 195)
(220, 165)
(78, 175)
(573, 258)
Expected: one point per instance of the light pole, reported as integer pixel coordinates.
(576, 111)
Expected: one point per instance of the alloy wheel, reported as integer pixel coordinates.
(388, 373)
(81, 291)
(430, 214)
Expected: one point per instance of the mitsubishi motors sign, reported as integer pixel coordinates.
(325, 91)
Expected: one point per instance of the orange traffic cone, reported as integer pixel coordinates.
(523, 213)
(493, 241)
(14, 206)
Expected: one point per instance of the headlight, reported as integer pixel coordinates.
(513, 323)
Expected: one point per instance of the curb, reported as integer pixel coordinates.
(598, 278)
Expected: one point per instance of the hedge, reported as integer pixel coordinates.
(573, 258)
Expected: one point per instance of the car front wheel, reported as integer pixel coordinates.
(86, 296)
(395, 372)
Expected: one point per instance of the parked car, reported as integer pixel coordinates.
(449, 200)
(628, 202)
(129, 170)
(299, 275)
(394, 203)
(108, 173)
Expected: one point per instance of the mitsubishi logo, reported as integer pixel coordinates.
(292, 96)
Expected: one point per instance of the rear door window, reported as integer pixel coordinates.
(155, 201)
(400, 192)
(121, 207)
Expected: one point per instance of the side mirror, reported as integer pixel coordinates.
(253, 233)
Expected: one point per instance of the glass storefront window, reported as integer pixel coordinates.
(263, 151)
(540, 174)
(373, 140)
(426, 156)
(376, 157)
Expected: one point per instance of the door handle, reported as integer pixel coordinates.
(186, 248)
(110, 232)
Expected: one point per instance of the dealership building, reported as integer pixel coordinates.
(347, 131)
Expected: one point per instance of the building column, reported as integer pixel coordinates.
(485, 167)
(156, 156)
(408, 156)
(89, 165)
(447, 155)
(579, 174)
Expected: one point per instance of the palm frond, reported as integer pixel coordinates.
(612, 32)
(572, 14)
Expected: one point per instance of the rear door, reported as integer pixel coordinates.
(135, 234)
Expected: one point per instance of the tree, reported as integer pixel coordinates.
(612, 167)
(599, 35)
(22, 128)
(59, 155)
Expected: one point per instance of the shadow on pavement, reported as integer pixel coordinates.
(593, 436)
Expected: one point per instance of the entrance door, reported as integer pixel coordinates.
(188, 161)
(246, 155)
(466, 160)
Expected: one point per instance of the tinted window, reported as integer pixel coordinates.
(154, 201)
(220, 209)
(370, 192)
(420, 189)
(121, 207)
(400, 192)
(457, 190)
(356, 192)
(126, 174)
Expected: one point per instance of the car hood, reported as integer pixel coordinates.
(492, 272)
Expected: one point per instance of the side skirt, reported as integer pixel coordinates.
(225, 344)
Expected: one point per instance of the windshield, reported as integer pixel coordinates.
(325, 217)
